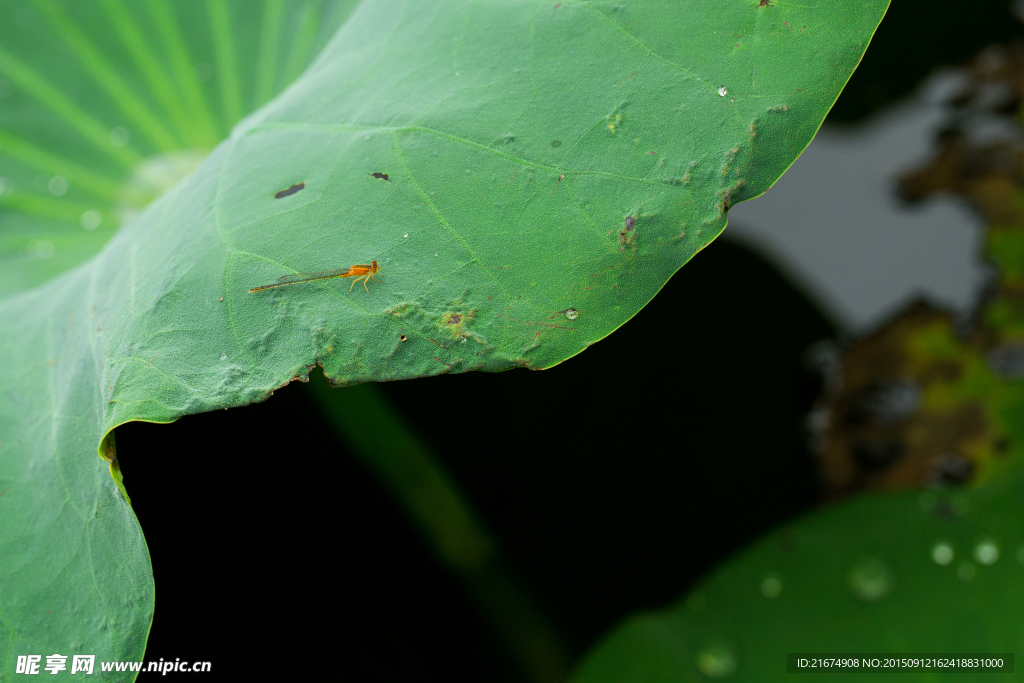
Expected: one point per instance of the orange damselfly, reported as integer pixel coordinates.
(361, 272)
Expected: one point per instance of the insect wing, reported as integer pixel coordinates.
(319, 275)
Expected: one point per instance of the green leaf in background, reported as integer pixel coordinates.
(912, 572)
(527, 174)
(104, 105)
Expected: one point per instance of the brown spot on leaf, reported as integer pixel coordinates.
(627, 235)
(458, 325)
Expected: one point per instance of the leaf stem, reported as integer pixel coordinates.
(382, 440)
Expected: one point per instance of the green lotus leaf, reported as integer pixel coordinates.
(527, 175)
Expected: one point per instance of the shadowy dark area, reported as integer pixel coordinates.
(274, 549)
(914, 38)
(613, 482)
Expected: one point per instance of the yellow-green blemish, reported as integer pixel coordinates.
(457, 324)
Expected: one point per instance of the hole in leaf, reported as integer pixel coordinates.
(290, 191)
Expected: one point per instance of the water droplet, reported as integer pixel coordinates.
(223, 356)
(202, 71)
(462, 339)
(717, 660)
(771, 586)
(91, 220)
(986, 552)
(405, 235)
(870, 579)
(942, 553)
(572, 313)
(119, 136)
(965, 571)
(721, 91)
(57, 186)
(556, 143)
(44, 249)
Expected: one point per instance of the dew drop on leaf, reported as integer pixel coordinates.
(91, 220)
(119, 136)
(942, 553)
(771, 586)
(58, 186)
(986, 552)
(870, 579)
(717, 661)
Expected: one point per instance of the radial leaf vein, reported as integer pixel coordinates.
(302, 45)
(227, 64)
(43, 160)
(159, 80)
(90, 128)
(148, 123)
(202, 120)
(42, 205)
(266, 75)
